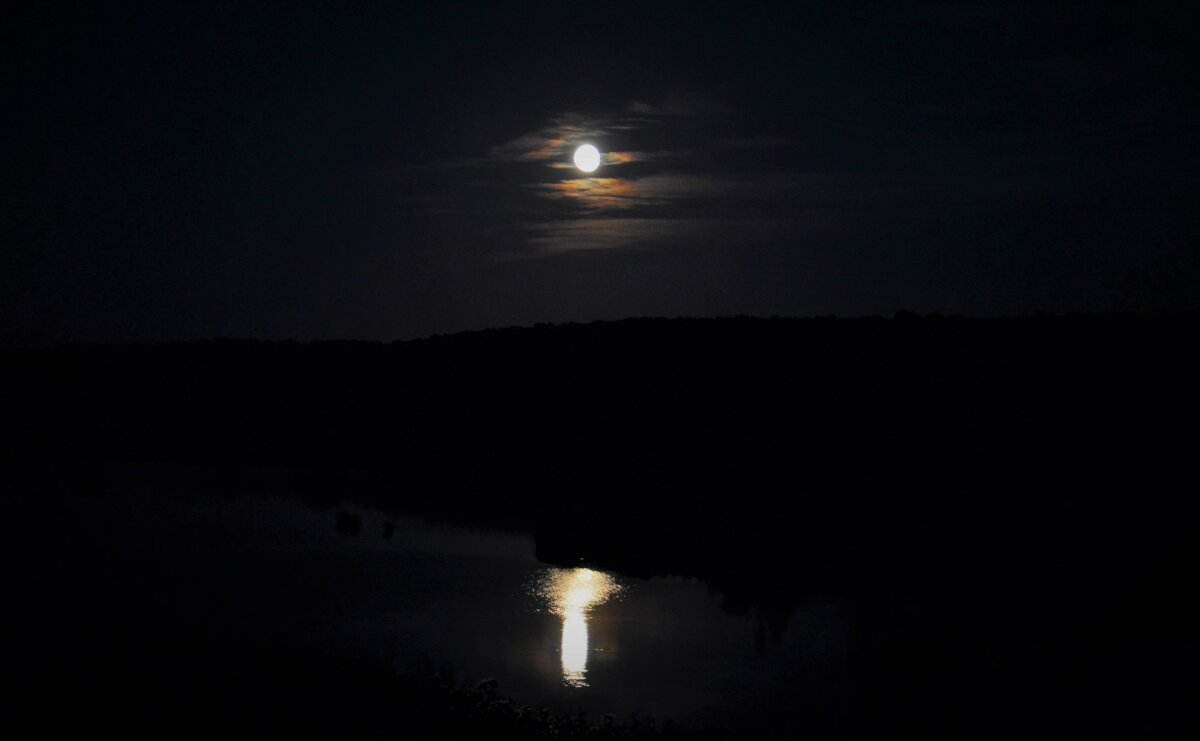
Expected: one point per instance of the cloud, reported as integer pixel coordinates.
(557, 140)
(620, 158)
(680, 105)
(654, 187)
(574, 235)
(594, 193)
(535, 146)
(609, 159)
(765, 141)
(625, 233)
(544, 144)
(605, 193)
(553, 141)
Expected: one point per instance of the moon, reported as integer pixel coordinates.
(587, 158)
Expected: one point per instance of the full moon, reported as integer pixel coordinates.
(587, 158)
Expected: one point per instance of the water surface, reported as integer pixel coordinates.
(264, 569)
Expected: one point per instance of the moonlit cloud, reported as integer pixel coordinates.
(599, 233)
(620, 158)
(574, 235)
(609, 159)
(564, 133)
(558, 139)
(594, 193)
(550, 142)
(599, 194)
(681, 105)
(539, 145)
(671, 171)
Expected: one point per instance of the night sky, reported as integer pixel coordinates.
(388, 170)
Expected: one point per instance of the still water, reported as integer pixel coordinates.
(264, 569)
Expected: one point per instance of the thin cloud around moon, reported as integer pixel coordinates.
(666, 167)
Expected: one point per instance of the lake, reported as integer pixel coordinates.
(199, 563)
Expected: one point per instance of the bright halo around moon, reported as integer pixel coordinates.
(587, 158)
